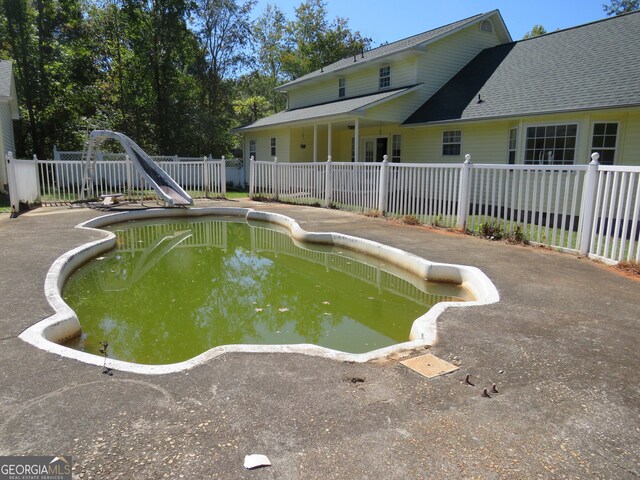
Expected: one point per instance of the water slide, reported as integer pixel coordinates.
(165, 186)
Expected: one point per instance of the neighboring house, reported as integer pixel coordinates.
(8, 112)
(468, 88)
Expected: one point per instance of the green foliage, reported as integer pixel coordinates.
(618, 7)
(536, 31)
(491, 230)
(175, 75)
(312, 42)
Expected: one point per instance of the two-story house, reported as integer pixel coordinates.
(464, 88)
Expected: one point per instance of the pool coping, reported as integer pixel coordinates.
(64, 324)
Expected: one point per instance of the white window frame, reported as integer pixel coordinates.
(486, 22)
(253, 146)
(396, 148)
(550, 159)
(600, 149)
(452, 142)
(512, 146)
(342, 87)
(384, 77)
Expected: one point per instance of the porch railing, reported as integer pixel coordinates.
(589, 209)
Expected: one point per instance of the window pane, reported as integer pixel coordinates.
(610, 141)
(598, 129)
(550, 144)
(611, 128)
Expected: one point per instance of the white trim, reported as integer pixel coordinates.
(592, 124)
(564, 123)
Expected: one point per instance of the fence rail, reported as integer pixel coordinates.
(588, 209)
(61, 180)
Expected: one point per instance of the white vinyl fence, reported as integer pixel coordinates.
(589, 209)
(61, 180)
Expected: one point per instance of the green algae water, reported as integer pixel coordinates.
(172, 289)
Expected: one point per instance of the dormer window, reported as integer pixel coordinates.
(342, 87)
(486, 26)
(385, 77)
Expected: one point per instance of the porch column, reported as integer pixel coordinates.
(329, 139)
(356, 142)
(315, 143)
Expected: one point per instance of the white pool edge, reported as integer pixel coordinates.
(63, 324)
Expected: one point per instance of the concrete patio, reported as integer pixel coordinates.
(561, 345)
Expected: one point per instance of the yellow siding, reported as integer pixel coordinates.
(263, 145)
(487, 142)
(444, 59)
(360, 80)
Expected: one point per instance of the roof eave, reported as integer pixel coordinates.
(414, 48)
(519, 115)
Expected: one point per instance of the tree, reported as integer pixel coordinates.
(313, 42)
(618, 7)
(224, 31)
(536, 31)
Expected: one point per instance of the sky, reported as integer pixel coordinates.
(391, 20)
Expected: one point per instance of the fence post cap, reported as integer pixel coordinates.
(329, 158)
(467, 158)
(35, 157)
(223, 158)
(275, 159)
(595, 156)
(252, 159)
(385, 159)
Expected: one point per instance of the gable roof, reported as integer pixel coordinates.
(8, 88)
(415, 41)
(593, 66)
(349, 106)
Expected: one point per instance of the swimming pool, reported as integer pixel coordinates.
(53, 332)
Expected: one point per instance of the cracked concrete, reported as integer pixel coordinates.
(562, 347)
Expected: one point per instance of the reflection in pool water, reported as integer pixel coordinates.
(174, 288)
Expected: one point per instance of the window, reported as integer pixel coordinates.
(252, 149)
(513, 145)
(385, 77)
(396, 147)
(451, 142)
(486, 26)
(342, 87)
(273, 147)
(604, 141)
(551, 145)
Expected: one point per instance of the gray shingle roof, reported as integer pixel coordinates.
(593, 66)
(342, 107)
(5, 78)
(391, 48)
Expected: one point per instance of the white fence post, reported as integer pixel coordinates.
(463, 193)
(14, 197)
(127, 165)
(276, 178)
(223, 178)
(205, 177)
(383, 188)
(328, 183)
(588, 203)
(252, 176)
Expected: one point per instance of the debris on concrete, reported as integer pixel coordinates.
(256, 460)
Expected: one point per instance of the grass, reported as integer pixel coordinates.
(5, 206)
